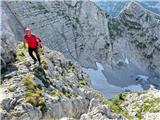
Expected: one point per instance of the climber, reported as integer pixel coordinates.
(34, 43)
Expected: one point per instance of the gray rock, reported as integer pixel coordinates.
(31, 113)
(27, 63)
(3, 114)
(8, 41)
(8, 103)
(10, 75)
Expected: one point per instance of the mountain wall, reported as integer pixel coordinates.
(77, 32)
(136, 37)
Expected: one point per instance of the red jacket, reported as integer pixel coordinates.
(33, 41)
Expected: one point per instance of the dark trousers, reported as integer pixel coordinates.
(30, 50)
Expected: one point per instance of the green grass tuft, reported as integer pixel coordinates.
(82, 82)
(36, 99)
(34, 94)
(55, 93)
(68, 94)
(20, 53)
(29, 83)
(115, 104)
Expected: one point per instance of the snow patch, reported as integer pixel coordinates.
(133, 88)
(126, 61)
(99, 82)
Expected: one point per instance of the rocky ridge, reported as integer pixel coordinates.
(59, 89)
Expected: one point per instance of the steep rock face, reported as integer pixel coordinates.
(135, 35)
(8, 42)
(79, 28)
(143, 28)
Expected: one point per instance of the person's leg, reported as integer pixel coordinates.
(30, 50)
(38, 56)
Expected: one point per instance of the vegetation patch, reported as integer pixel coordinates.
(152, 105)
(43, 59)
(149, 105)
(2, 106)
(34, 94)
(20, 52)
(17, 113)
(36, 99)
(115, 103)
(66, 93)
(69, 67)
(44, 64)
(82, 82)
(12, 88)
(29, 83)
(55, 92)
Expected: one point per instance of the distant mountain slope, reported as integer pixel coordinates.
(135, 33)
(154, 6)
(111, 7)
(114, 7)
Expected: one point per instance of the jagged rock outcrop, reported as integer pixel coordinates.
(30, 92)
(99, 111)
(11, 32)
(8, 43)
(141, 105)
